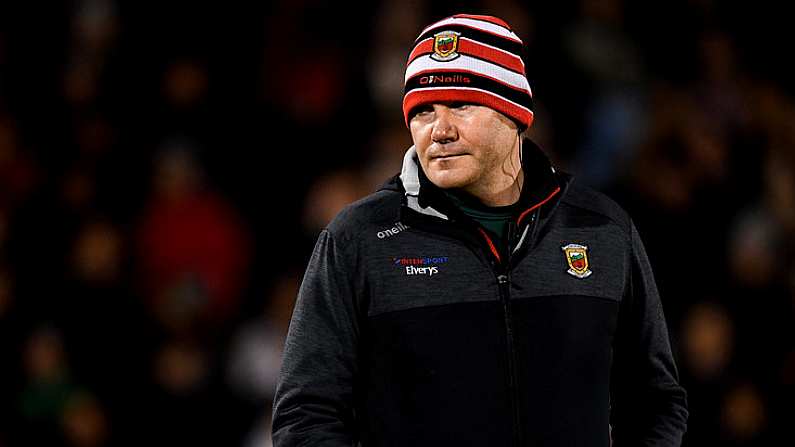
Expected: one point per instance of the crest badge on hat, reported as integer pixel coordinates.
(577, 258)
(445, 46)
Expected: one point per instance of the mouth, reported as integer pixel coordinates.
(447, 156)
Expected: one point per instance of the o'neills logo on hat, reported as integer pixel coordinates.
(445, 79)
(445, 46)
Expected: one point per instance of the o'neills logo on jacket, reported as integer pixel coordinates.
(426, 266)
(445, 79)
(383, 234)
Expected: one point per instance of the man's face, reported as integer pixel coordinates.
(461, 145)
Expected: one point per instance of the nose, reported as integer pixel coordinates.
(444, 130)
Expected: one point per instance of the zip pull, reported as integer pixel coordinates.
(510, 240)
(502, 279)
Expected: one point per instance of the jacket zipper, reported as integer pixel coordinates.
(513, 386)
(504, 284)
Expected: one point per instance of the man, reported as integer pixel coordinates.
(481, 297)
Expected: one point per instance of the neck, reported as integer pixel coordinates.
(504, 186)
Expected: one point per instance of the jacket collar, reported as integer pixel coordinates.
(414, 180)
(542, 184)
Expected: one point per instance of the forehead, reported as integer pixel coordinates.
(452, 105)
(482, 111)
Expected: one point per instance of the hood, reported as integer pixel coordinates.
(410, 176)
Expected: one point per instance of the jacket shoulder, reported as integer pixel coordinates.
(378, 209)
(598, 204)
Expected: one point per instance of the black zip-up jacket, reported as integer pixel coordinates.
(412, 328)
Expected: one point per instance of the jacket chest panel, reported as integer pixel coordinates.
(574, 262)
(417, 269)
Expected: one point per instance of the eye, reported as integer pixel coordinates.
(459, 105)
(422, 111)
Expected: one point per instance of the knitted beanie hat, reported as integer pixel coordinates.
(469, 58)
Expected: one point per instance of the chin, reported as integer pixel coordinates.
(447, 180)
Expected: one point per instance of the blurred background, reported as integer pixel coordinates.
(165, 168)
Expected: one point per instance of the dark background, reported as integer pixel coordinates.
(165, 168)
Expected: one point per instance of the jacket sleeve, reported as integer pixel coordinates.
(648, 406)
(313, 404)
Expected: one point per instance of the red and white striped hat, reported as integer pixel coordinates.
(470, 58)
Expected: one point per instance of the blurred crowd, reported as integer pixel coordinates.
(166, 167)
